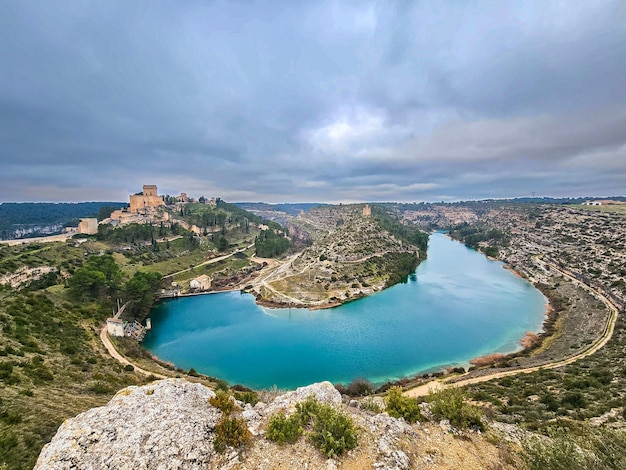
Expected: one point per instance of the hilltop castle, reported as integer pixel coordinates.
(146, 199)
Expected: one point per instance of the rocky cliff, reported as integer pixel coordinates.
(170, 424)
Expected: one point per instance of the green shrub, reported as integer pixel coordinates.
(573, 400)
(101, 388)
(230, 432)
(250, 397)
(221, 385)
(10, 417)
(333, 432)
(359, 387)
(550, 401)
(576, 447)
(370, 405)
(223, 401)
(450, 404)
(307, 409)
(284, 430)
(399, 406)
(558, 453)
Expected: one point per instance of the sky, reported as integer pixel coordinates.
(319, 101)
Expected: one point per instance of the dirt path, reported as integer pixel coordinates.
(104, 337)
(211, 261)
(434, 385)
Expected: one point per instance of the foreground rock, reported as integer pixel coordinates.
(163, 425)
(169, 424)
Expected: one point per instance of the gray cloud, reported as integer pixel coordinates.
(324, 101)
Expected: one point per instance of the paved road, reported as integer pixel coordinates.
(435, 385)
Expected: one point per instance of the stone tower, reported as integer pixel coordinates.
(149, 190)
(367, 210)
(148, 199)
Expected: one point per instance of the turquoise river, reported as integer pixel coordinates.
(456, 306)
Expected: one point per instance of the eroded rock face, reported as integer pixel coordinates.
(170, 424)
(324, 392)
(165, 425)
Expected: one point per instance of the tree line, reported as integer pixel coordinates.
(100, 280)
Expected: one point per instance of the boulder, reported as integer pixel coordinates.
(165, 425)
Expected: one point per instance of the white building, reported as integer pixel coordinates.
(200, 283)
(115, 327)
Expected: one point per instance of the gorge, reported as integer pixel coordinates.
(457, 305)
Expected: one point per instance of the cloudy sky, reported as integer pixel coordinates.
(332, 101)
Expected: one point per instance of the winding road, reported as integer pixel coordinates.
(435, 385)
(609, 328)
(104, 337)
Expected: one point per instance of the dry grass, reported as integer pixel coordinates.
(615, 209)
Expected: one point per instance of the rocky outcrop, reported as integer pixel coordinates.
(351, 256)
(165, 425)
(170, 424)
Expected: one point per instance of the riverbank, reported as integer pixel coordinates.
(522, 340)
(376, 329)
(553, 348)
(554, 351)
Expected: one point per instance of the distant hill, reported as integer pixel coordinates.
(24, 219)
(279, 213)
(288, 208)
(556, 200)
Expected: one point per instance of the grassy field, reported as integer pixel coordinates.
(615, 209)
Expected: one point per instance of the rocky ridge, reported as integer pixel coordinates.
(169, 424)
(351, 256)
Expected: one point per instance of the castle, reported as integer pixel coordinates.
(145, 200)
(143, 208)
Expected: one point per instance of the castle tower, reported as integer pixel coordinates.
(148, 199)
(149, 190)
(367, 210)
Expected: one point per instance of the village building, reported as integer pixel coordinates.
(603, 202)
(200, 283)
(183, 198)
(115, 327)
(88, 226)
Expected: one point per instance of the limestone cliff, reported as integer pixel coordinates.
(169, 424)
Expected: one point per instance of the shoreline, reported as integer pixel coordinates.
(531, 340)
(278, 305)
(510, 269)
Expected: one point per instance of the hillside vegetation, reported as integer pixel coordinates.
(350, 255)
(54, 299)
